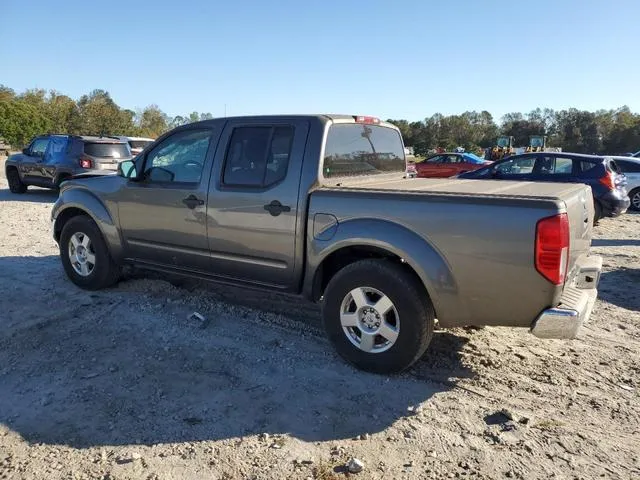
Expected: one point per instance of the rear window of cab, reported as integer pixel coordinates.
(354, 149)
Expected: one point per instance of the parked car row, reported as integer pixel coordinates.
(610, 178)
(602, 174)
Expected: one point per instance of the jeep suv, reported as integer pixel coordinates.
(51, 159)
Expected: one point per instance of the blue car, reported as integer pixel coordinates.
(49, 160)
(601, 173)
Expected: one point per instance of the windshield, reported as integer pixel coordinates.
(473, 158)
(107, 150)
(356, 149)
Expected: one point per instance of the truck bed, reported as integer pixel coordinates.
(484, 230)
(472, 188)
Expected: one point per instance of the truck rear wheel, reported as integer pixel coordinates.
(378, 316)
(15, 184)
(634, 196)
(85, 256)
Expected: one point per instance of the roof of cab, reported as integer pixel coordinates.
(338, 118)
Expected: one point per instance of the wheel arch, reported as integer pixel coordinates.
(389, 241)
(73, 203)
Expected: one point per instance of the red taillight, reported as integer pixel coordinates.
(608, 181)
(552, 248)
(86, 162)
(369, 120)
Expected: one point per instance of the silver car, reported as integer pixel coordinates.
(630, 166)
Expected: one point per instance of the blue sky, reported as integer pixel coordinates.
(388, 58)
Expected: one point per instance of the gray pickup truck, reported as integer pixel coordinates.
(319, 206)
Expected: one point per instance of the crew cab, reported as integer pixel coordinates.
(319, 206)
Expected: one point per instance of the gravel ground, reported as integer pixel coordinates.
(120, 384)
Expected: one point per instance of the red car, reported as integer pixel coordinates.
(444, 165)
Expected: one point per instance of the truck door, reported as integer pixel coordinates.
(163, 213)
(32, 160)
(252, 210)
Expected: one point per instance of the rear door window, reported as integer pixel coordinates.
(452, 159)
(107, 150)
(354, 149)
(258, 157)
(547, 165)
(584, 166)
(516, 166)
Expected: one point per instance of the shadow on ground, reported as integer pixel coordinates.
(610, 242)
(33, 195)
(612, 288)
(117, 368)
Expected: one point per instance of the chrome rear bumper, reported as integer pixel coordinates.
(576, 304)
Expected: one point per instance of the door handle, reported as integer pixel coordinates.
(192, 201)
(275, 208)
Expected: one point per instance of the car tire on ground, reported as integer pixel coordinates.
(597, 212)
(85, 256)
(15, 184)
(378, 316)
(634, 196)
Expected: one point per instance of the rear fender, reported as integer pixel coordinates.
(75, 201)
(417, 252)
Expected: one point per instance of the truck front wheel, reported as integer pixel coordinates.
(84, 254)
(378, 316)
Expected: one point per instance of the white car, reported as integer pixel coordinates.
(138, 144)
(630, 166)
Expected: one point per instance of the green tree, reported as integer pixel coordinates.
(20, 121)
(154, 122)
(99, 115)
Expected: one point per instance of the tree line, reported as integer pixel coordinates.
(35, 112)
(581, 131)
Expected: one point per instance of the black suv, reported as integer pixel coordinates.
(51, 159)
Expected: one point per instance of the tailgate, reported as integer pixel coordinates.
(581, 212)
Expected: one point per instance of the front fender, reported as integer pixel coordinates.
(74, 201)
(422, 256)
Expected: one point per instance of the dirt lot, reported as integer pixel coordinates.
(120, 384)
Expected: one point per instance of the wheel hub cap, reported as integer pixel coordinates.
(81, 254)
(369, 320)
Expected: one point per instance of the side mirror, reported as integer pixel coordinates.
(25, 151)
(127, 169)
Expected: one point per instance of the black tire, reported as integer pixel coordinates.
(598, 212)
(15, 184)
(411, 301)
(634, 194)
(105, 272)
